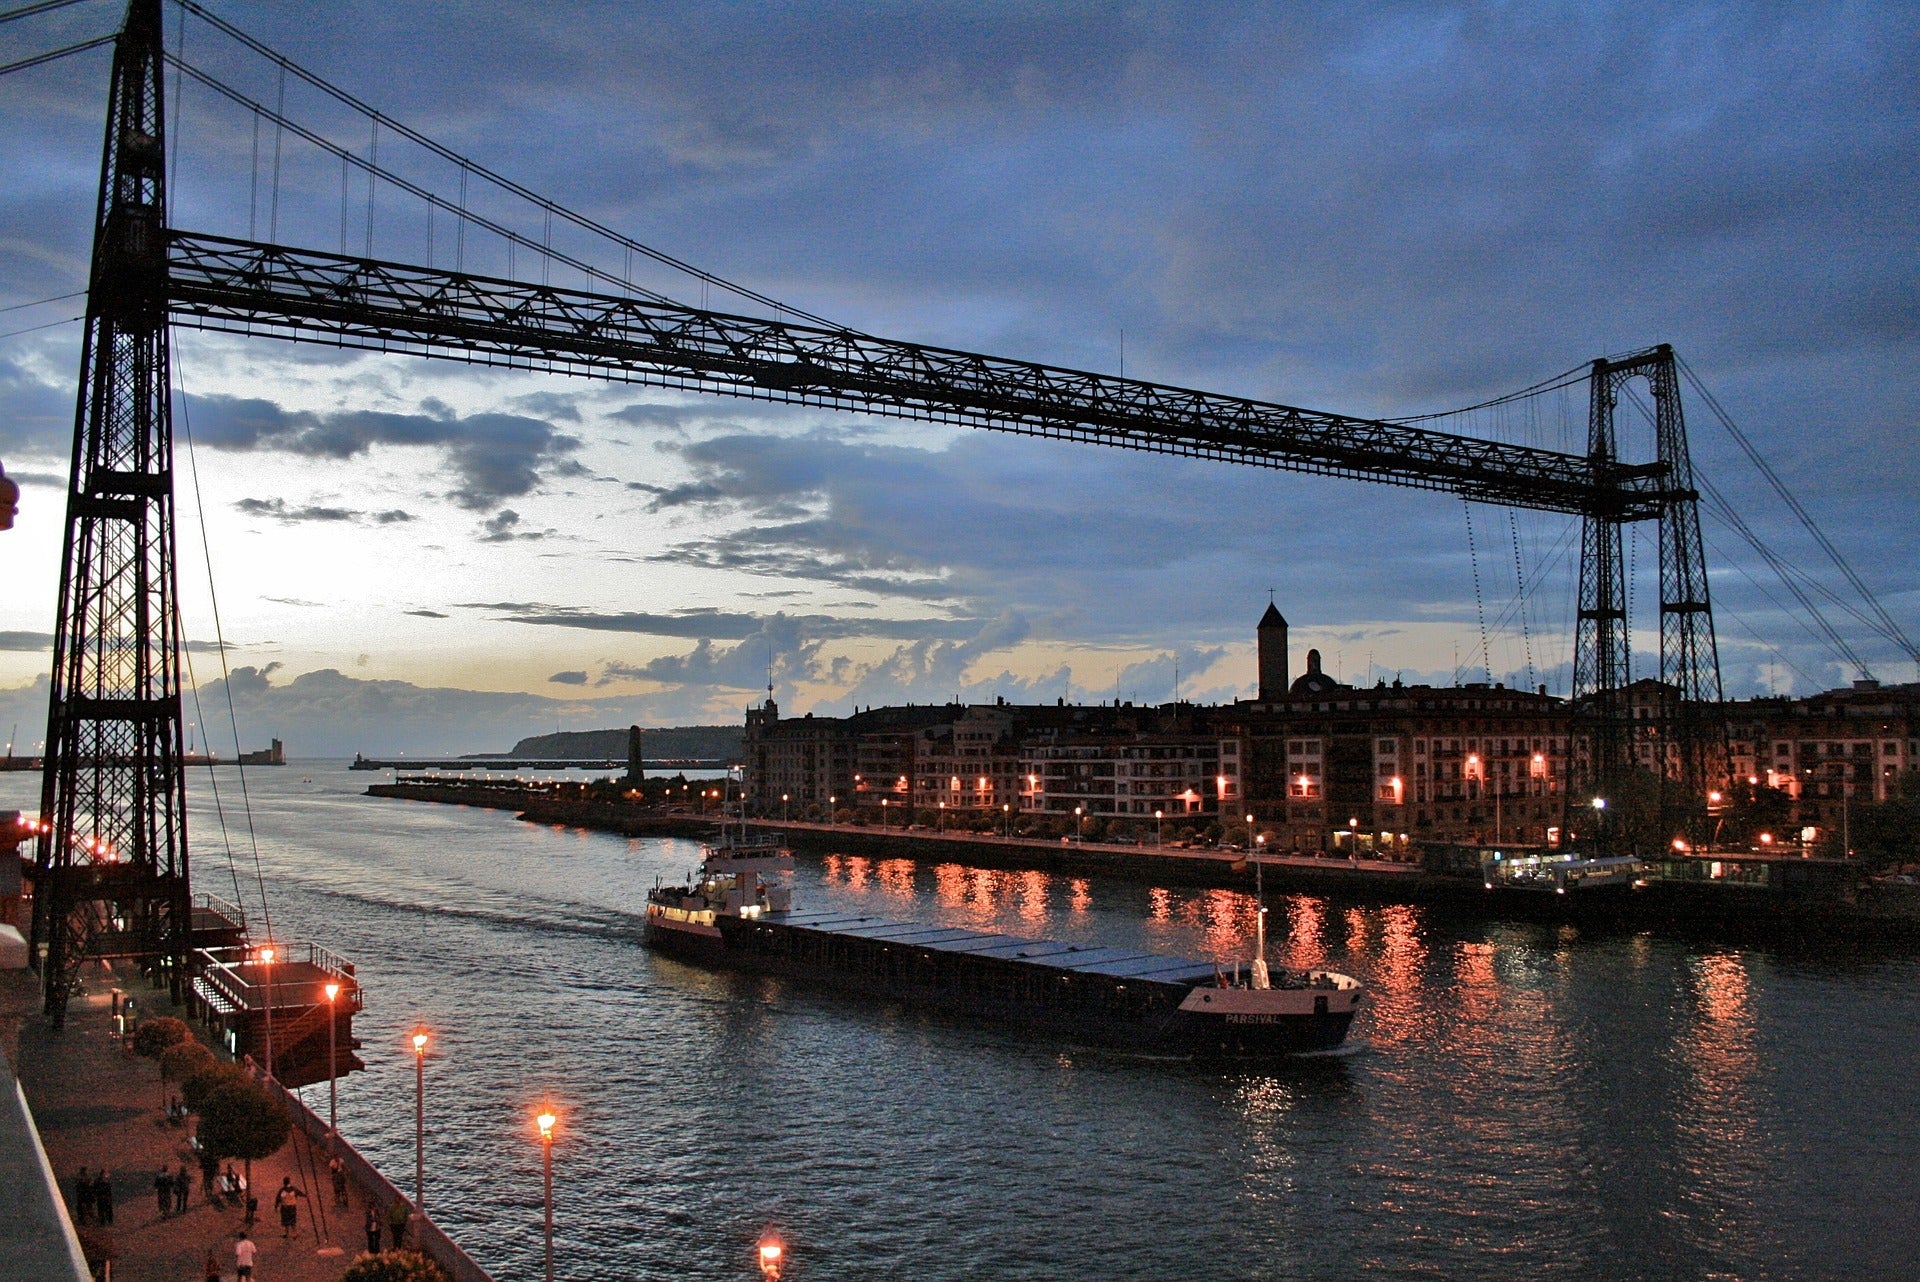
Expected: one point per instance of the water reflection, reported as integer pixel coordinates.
(1722, 1149)
(1306, 919)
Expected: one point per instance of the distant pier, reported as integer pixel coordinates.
(533, 763)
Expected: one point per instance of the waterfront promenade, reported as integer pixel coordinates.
(97, 1105)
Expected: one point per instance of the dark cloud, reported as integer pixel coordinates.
(296, 601)
(428, 614)
(568, 678)
(280, 511)
(718, 625)
(26, 641)
(504, 527)
(494, 456)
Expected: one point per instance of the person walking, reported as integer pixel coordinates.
(287, 1201)
(163, 1191)
(210, 1176)
(83, 1197)
(213, 1267)
(338, 1171)
(103, 1195)
(182, 1186)
(397, 1216)
(373, 1230)
(243, 1252)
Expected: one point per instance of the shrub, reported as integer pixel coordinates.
(394, 1266)
(155, 1035)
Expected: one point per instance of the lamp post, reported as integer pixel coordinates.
(1158, 817)
(333, 1097)
(883, 814)
(783, 807)
(1006, 819)
(545, 1122)
(266, 961)
(770, 1250)
(1080, 821)
(420, 1121)
(1599, 825)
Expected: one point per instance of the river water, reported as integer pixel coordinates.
(1524, 1100)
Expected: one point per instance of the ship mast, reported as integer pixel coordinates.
(1258, 970)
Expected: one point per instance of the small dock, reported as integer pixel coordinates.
(277, 1010)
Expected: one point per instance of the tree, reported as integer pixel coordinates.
(239, 1119)
(155, 1035)
(183, 1059)
(200, 1085)
(394, 1266)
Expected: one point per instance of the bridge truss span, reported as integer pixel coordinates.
(246, 287)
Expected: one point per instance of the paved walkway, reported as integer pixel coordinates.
(97, 1105)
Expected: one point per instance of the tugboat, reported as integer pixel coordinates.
(742, 876)
(738, 912)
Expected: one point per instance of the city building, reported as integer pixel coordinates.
(1319, 764)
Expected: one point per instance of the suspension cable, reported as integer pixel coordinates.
(27, 11)
(220, 641)
(1520, 594)
(500, 180)
(1886, 626)
(1479, 602)
(57, 54)
(349, 157)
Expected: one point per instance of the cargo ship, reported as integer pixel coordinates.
(738, 912)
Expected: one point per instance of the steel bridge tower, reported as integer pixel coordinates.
(110, 873)
(1683, 739)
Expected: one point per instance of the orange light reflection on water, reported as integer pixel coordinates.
(895, 877)
(1722, 1149)
(1306, 931)
(1032, 894)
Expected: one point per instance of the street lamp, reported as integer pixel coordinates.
(1006, 819)
(940, 822)
(1158, 817)
(1080, 819)
(1599, 823)
(333, 1097)
(771, 1251)
(783, 807)
(266, 960)
(883, 814)
(420, 1121)
(545, 1122)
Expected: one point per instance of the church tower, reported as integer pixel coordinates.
(1273, 655)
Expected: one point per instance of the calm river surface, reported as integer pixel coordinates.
(1531, 1101)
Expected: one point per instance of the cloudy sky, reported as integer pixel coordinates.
(1378, 210)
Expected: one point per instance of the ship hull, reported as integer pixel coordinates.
(1002, 983)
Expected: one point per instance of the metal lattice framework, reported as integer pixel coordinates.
(250, 288)
(1684, 740)
(110, 872)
